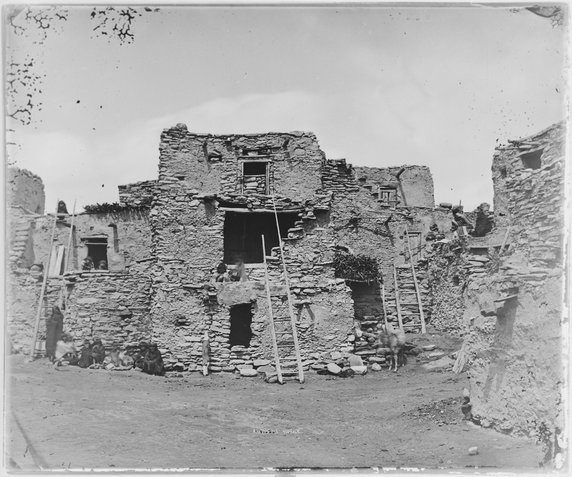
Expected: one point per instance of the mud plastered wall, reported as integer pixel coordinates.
(25, 189)
(515, 339)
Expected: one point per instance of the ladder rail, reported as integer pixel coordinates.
(383, 305)
(62, 295)
(397, 304)
(271, 316)
(43, 290)
(290, 306)
(416, 285)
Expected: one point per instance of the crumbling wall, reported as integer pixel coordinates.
(414, 184)
(514, 347)
(448, 272)
(25, 189)
(137, 194)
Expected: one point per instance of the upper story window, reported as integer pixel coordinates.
(388, 196)
(96, 253)
(255, 177)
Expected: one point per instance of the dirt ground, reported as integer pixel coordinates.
(74, 418)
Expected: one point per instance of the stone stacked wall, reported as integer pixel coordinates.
(213, 164)
(514, 314)
(25, 189)
(137, 194)
(254, 184)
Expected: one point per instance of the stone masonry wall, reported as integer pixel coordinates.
(213, 164)
(514, 346)
(137, 194)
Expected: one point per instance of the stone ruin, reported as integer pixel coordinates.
(494, 278)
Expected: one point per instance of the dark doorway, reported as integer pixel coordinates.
(367, 299)
(242, 232)
(240, 321)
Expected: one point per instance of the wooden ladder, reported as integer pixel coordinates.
(287, 358)
(407, 295)
(61, 295)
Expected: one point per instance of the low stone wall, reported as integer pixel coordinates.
(138, 194)
(112, 306)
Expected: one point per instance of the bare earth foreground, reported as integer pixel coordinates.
(75, 419)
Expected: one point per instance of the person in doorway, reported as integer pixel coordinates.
(54, 329)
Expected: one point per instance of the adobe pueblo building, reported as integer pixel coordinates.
(214, 198)
(351, 237)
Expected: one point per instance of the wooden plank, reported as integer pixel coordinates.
(290, 306)
(397, 298)
(271, 317)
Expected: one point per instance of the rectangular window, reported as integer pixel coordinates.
(388, 196)
(255, 177)
(97, 252)
(243, 230)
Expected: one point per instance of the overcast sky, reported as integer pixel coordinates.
(380, 86)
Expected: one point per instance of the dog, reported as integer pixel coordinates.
(98, 352)
(394, 339)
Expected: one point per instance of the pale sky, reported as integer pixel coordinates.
(381, 86)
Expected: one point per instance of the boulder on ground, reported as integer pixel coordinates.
(334, 369)
(355, 360)
(248, 372)
(359, 369)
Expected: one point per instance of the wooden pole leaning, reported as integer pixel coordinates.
(271, 316)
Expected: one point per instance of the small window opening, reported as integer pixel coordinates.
(456, 280)
(255, 177)
(531, 160)
(388, 196)
(242, 234)
(240, 323)
(503, 172)
(254, 168)
(97, 251)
